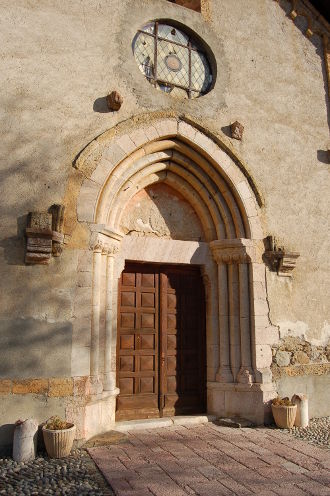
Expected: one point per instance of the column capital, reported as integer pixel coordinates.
(110, 249)
(233, 251)
(100, 243)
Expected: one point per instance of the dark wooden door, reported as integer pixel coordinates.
(161, 342)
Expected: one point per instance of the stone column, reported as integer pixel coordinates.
(245, 374)
(109, 379)
(233, 257)
(224, 373)
(96, 300)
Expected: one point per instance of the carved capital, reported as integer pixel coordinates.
(101, 242)
(233, 251)
(110, 249)
(96, 243)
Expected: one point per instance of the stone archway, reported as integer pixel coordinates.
(174, 153)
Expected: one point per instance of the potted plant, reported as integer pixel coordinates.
(284, 412)
(58, 437)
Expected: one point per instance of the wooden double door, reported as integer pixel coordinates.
(161, 355)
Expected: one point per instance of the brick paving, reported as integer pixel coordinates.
(208, 460)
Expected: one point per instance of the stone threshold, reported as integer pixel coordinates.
(156, 423)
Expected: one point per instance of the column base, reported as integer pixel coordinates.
(224, 374)
(245, 375)
(109, 384)
(250, 401)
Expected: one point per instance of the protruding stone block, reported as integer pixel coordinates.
(237, 129)
(114, 101)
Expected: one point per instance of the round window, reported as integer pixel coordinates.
(172, 61)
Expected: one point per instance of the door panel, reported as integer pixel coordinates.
(161, 342)
(137, 344)
(183, 341)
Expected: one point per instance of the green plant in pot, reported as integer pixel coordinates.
(284, 412)
(58, 437)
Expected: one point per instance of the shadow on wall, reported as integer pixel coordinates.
(160, 211)
(15, 246)
(100, 106)
(323, 156)
(301, 23)
(34, 348)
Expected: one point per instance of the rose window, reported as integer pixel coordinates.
(172, 61)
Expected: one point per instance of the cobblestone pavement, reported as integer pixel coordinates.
(208, 460)
(318, 432)
(75, 475)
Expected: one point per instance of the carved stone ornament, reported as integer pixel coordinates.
(114, 100)
(57, 212)
(237, 129)
(104, 244)
(278, 259)
(233, 251)
(110, 249)
(44, 235)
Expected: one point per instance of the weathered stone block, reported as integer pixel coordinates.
(6, 386)
(114, 101)
(266, 335)
(79, 386)
(282, 358)
(80, 361)
(237, 129)
(300, 357)
(263, 356)
(60, 387)
(33, 386)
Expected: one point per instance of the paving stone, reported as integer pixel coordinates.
(236, 422)
(289, 489)
(179, 460)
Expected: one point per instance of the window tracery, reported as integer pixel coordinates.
(172, 60)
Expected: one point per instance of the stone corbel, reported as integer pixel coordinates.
(44, 235)
(57, 212)
(278, 259)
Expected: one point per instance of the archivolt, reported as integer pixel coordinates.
(183, 158)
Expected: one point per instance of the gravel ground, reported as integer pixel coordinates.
(75, 475)
(317, 433)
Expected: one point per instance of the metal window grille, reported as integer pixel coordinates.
(172, 61)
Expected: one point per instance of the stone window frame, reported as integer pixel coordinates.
(194, 45)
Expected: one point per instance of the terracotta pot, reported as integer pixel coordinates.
(59, 443)
(284, 416)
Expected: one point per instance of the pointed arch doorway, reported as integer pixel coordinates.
(212, 179)
(161, 354)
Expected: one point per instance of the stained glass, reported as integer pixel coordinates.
(171, 61)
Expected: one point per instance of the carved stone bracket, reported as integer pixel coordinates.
(278, 259)
(44, 235)
(233, 251)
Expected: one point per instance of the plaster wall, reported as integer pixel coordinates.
(58, 61)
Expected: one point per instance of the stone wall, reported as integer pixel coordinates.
(301, 367)
(58, 62)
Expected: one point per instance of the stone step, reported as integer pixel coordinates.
(156, 423)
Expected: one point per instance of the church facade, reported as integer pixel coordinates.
(165, 210)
